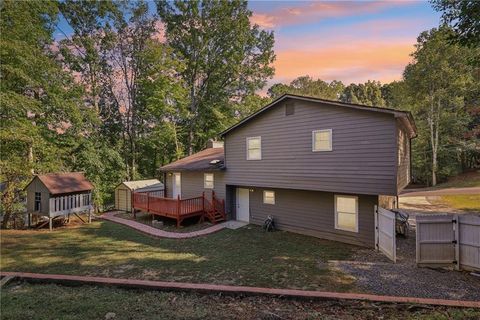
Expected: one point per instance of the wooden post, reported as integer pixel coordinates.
(375, 213)
(89, 215)
(50, 224)
(456, 226)
(178, 210)
(148, 201)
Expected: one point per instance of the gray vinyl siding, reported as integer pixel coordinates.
(37, 186)
(403, 178)
(192, 184)
(363, 159)
(312, 213)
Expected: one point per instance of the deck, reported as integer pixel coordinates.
(180, 209)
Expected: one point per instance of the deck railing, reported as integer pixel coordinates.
(70, 204)
(180, 209)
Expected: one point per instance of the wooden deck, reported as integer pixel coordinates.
(211, 208)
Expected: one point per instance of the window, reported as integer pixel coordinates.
(38, 201)
(322, 140)
(268, 197)
(208, 180)
(346, 213)
(254, 148)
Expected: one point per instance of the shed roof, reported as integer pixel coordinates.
(64, 182)
(154, 187)
(199, 161)
(405, 116)
(136, 184)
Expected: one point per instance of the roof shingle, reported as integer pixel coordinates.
(65, 182)
(198, 161)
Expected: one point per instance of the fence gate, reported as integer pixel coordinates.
(385, 240)
(449, 239)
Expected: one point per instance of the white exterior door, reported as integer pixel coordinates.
(177, 185)
(385, 240)
(243, 204)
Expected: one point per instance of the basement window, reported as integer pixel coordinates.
(268, 197)
(346, 213)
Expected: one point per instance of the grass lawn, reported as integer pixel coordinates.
(246, 256)
(469, 202)
(188, 225)
(42, 301)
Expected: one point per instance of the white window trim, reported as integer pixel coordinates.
(313, 140)
(250, 138)
(265, 191)
(205, 181)
(336, 213)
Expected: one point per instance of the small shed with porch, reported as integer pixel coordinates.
(123, 192)
(55, 195)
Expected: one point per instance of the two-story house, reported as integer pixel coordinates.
(318, 167)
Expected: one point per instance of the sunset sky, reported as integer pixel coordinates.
(338, 40)
(351, 41)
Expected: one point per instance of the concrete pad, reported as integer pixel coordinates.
(234, 224)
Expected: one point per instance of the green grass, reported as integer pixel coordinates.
(246, 256)
(463, 202)
(48, 301)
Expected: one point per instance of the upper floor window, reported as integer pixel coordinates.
(268, 197)
(322, 140)
(254, 148)
(208, 180)
(346, 213)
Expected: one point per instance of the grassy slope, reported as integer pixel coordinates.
(464, 180)
(463, 202)
(28, 301)
(246, 256)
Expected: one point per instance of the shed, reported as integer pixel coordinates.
(123, 192)
(59, 194)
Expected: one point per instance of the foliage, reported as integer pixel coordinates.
(368, 93)
(226, 59)
(464, 18)
(308, 86)
(437, 85)
(38, 98)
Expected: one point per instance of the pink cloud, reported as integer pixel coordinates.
(317, 11)
(355, 61)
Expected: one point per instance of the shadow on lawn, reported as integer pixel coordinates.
(246, 256)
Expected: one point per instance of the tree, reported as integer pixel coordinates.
(307, 86)
(368, 93)
(226, 59)
(438, 80)
(38, 98)
(463, 16)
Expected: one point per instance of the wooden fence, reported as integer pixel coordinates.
(449, 239)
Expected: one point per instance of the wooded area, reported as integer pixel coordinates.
(124, 91)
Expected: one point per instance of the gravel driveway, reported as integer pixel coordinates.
(376, 274)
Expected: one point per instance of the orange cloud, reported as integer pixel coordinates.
(350, 62)
(316, 11)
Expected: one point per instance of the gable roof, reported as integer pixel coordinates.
(64, 182)
(406, 116)
(154, 187)
(198, 161)
(133, 185)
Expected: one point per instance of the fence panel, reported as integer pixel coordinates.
(469, 241)
(448, 239)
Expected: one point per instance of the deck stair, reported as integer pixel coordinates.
(215, 209)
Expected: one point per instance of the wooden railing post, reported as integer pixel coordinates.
(178, 206)
(203, 201)
(148, 201)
